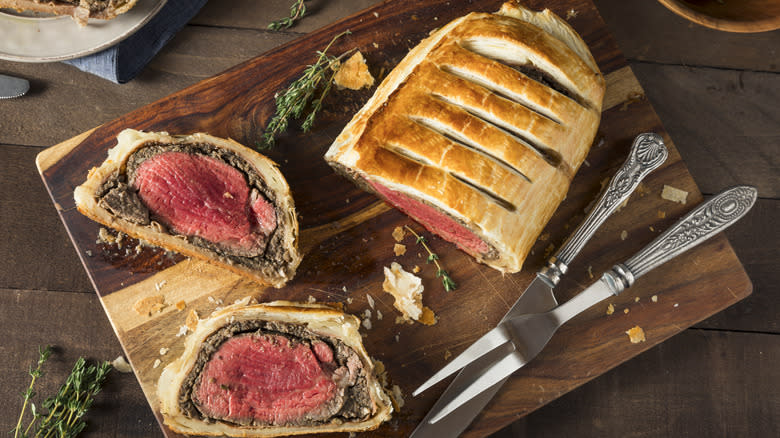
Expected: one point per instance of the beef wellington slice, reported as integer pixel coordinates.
(273, 369)
(199, 195)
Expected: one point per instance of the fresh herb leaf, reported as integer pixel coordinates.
(43, 356)
(292, 102)
(64, 410)
(297, 11)
(447, 281)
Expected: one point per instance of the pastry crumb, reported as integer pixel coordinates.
(636, 299)
(571, 13)
(428, 317)
(407, 290)
(399, 249)
(654, 298)
(379, 315)
(590, 271)
(397, 397)
(610, 309)
(121, 365)
(370, 301)
(156, 363)
(182, 331)
(416, 269)
(147, 306)
(192, 320)
(636, 335)
(623, 235)
(625, 311)
(353, 73)
(181, 305)
(674, 194)
(367, 323)
(661, 214)
(311, 300)
(164, 351)
(399, 234)
(447, 354)
(544, 237)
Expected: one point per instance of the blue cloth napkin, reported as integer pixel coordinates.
(123, 61)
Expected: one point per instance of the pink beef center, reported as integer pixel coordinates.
(198, 195)
(434, 220)
(265, 379)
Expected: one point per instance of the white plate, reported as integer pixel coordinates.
(29, 37)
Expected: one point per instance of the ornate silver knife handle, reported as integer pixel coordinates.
(700, 224)
(647, 153)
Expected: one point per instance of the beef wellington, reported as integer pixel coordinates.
(281, 368)
(201, 196)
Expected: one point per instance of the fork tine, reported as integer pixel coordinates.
(496, 373)
(487, 343)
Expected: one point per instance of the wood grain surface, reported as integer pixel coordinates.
(344, 256)
(45, 296)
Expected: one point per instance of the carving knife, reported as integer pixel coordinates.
(524, 336)
(647, 153)
(13, 87)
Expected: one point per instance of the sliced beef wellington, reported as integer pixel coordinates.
(80, 10)
(201, 196)
(274, 369)
(478, 131)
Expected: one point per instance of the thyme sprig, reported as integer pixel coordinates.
(43, 356)
(66, 409)
(446, 280)
(297, 11)
(292, 102)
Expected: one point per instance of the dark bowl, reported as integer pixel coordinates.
(729, 15)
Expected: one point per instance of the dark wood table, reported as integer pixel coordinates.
(716, 93)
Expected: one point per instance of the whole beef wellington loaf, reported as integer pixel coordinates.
(478, 131)
(273, 369)
(201, 196)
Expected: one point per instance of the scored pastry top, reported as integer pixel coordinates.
(487, 120)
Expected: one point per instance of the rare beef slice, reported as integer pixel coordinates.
(199, 195)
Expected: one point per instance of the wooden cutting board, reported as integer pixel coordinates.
(346, 233)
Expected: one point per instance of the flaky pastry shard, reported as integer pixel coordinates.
(478, 131)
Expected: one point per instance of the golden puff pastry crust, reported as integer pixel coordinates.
(318, 319)
(479, 130)
(275, 267)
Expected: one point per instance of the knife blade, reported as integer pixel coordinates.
(524, 336)
(11, 87)
(648, 152)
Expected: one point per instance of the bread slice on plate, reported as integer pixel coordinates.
(273, 369)
(478, 131)
(201, 196)
(80, 10)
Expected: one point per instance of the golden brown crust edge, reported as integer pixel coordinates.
(320, 319)
(359, 150)
(129, 140)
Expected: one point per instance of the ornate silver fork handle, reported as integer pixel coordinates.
(647, 153)
(699, 225)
